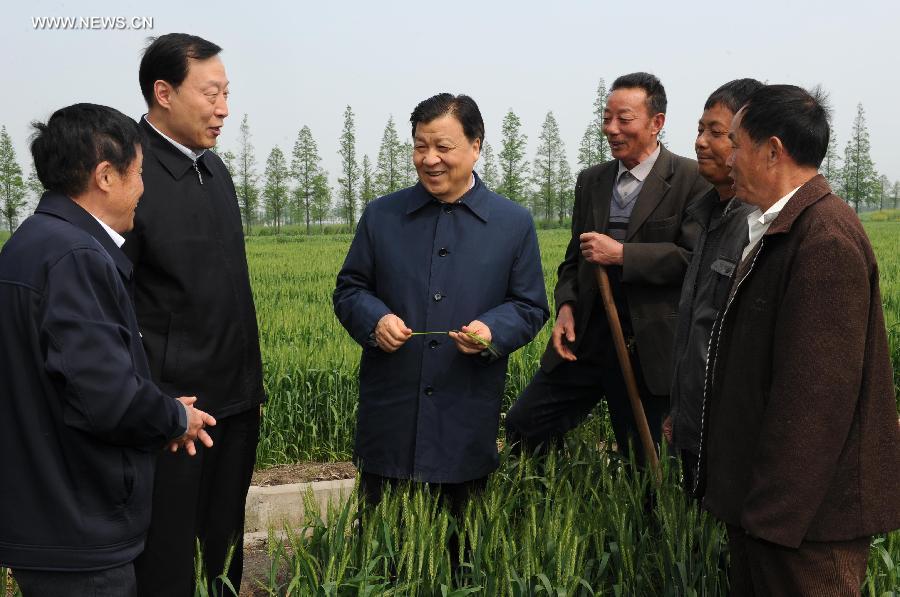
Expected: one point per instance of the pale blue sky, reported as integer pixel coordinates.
(301, 63)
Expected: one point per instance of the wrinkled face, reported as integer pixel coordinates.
(629, 127)
(199, 105)
(124, 192)
(747, 163)
(713, 145)
(444, 157)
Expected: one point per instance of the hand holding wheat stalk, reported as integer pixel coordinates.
(470, 339)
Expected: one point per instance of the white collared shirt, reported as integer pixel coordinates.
(115, 236)
(759, 222)
(182, 148)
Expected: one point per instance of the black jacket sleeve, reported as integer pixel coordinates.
(88, 349)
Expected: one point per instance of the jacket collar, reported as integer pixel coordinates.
(810, 192)
(475, 199)
(656, 185)
(61, 206)
(172, 159)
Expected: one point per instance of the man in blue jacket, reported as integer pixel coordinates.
(446, 254)
(81, 420)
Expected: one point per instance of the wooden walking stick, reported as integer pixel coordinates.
(612, 315)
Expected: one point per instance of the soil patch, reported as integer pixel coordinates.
(303, 472)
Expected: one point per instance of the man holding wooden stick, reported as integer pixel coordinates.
(629, 217)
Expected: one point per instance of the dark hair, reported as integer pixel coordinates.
(75, 139)
(799, 119)
(462, 107)
(653, 87)
(166, 59)
(733, 94)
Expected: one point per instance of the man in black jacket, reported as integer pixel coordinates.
(82, 421)
(195, 306)
(723, 220)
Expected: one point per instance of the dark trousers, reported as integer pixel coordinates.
(200, 497)
(827, 569)
(555, 402)
(689, 471)
(113, 582)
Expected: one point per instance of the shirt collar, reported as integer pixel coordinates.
(472, 199)
(182, 148)
(115, 236)
(771, 213)
(642, 170)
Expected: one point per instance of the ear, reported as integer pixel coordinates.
(775, 151)
(103, 174)
(477, 148)
(163, 91)
(657, 122)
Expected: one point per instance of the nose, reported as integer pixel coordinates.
(221, 106)
(700, 142)
(431, 158)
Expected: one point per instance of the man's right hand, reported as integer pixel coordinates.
(391, 333)
(197, 420)
(564, 329)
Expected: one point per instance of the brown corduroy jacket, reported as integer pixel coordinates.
(801, 438)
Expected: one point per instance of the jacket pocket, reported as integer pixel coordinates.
(662, 230)
(173, 348)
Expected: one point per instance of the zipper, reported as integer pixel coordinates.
(197, 170)
(710, 375)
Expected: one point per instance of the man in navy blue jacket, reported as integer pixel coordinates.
(446, 254)
(81, 420)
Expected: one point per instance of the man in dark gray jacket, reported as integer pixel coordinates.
(82, 422)
(723, 221)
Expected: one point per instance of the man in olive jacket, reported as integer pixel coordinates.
(195, 306)
(629, 216)
(801, 449)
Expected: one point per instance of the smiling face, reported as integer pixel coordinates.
(122, 195)
(444, 157)
(195, 111)
(713, 145)
(629, 127)
(748, 166)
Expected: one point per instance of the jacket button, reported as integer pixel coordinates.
(433, 344)
(429, 390)
(443, 252)
(448, 209)
(438, 296)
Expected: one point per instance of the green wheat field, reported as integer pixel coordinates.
(576, 522)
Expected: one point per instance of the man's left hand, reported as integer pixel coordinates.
(601, 249)
(467, 345)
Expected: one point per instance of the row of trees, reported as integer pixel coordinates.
(296, 189)
(854, 176)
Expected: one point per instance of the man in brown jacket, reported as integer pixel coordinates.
(801, 450)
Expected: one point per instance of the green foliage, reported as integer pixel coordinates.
(12, 186)
(275, 190)
(349, 169)
(304, 170)
(859, 176)
(550, 154)
(594, 147)
(245, 178)
(513, 166)
(488, 171)
(367, 190)
(389, 175)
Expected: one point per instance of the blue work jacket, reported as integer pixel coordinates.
(428, 412)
